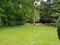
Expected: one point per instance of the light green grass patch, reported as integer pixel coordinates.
(29, 35)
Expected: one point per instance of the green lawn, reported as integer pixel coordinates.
(28, 35)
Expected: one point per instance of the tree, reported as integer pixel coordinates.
(49, 13)
(35, 14)
(45, 12)
(15, 12)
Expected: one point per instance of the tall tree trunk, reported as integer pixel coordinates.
(34, 19)
(33, 16)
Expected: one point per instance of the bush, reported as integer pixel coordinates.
(3, 20)
(1, 24)
(12, 23)
(21, 19)
(58, 28)
(20, 22)
(46, 19)
(0, 20)
(12, 13)
(54, 22)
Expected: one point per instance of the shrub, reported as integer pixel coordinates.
(1, 24)
(46, 19)
(4, 19)
(58, 28)
(12, 23)
(54, 22)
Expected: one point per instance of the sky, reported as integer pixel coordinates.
(44, 0)
(50, 1)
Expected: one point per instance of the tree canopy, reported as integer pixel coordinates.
(18, 12)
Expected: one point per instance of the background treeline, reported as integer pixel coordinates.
(49, 13)
(14, 12)
(19, 12)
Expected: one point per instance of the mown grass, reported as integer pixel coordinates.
(28, 35)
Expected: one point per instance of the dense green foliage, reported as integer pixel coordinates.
(45, 13)
(34, 14)
(50, 13)
(18, 12)
(14, 12)
(58, 28)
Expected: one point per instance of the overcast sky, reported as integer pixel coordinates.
(44, 0)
